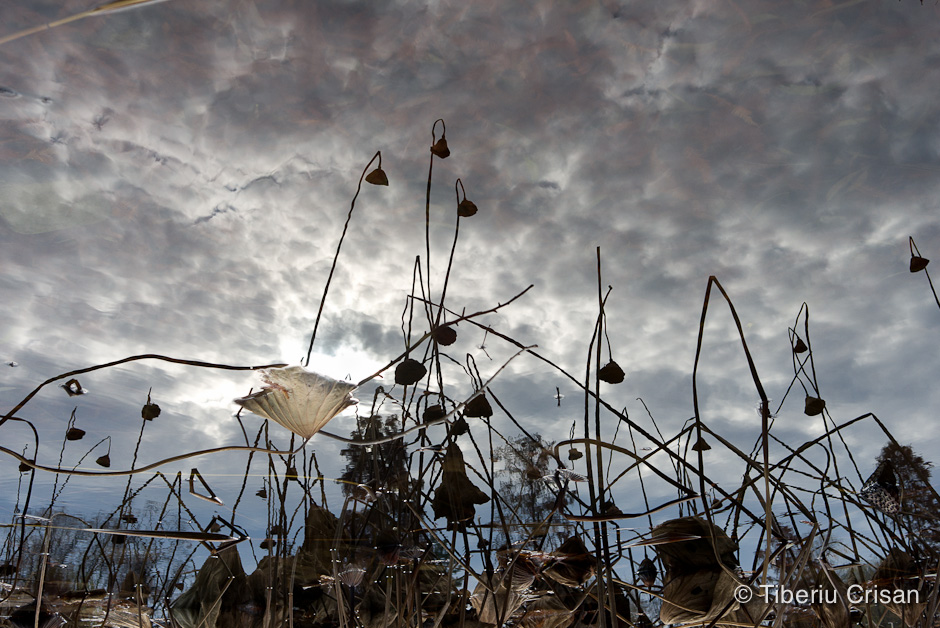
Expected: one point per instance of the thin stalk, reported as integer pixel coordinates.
(326, 288)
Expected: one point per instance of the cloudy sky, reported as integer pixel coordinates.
(175, 180)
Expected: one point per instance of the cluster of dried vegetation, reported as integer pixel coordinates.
(446, 521)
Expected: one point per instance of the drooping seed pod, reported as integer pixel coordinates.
(150, 411)
(701, 445)
(439, 149)
(409, 372)
(377, 177)
(104, 461)
(918, 263)
(478, 407)
(813, 406)
(458, 427)
(74, 433)
(466, 208)
(799, 346)
(433, 413)
(611, 373)
(444, 335)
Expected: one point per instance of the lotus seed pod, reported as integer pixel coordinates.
(104, 461)
(478, 407)
(918, 263)
(433, 413)
(377, 177)
(150, 411)
(458, 427)
(409, 372)
(799, 346)
(813, 406)
(445, 335)
(440, 149)
(74, 433)
(701, 445)
(466, 208)
(611, 373)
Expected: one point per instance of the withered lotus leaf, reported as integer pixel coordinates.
(647, 572)
(918, 263)
(611, 373)
(298, 399)
(572, 564)
(456, 496)
(813, 406)
(409, 372)
(478, 407)
(684, 546)
(352, 576)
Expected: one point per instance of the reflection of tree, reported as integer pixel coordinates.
(378, 475)
(527, 496)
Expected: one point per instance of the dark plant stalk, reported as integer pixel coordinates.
(133, 358)
(914, 248)
(326, 288)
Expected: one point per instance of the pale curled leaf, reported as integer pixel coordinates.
(298, 399)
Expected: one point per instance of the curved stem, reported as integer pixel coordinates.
(339, 246)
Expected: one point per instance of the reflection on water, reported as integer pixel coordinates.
(446, 521)
(441, 507)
